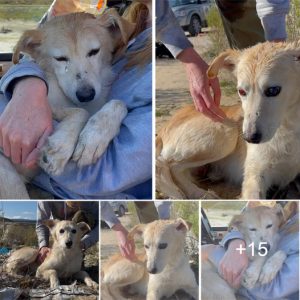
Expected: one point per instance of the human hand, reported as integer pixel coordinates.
(127, 247)
(200, 85)
(233, 264)
(43, 253)
(26, 122)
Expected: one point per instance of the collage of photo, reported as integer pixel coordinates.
(149, 149)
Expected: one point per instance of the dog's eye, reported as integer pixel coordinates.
(272, 91)
(162, 246)
(93, 52)
(62, 231)
(146, 246)
(269, 226)
(252, 229)
(242, 92)
(62, 58)
(73, 231)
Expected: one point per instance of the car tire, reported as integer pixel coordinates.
(195, 25)
(121, 211)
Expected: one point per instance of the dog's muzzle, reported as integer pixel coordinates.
(69, 244)
(85, 94)
(152, 271)
(254, 138)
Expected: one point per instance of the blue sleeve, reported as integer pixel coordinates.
(168, 30)
(108, 215)
(24, 68)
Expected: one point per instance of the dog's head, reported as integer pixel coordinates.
(163, 242)
(259, 225)
(267, 83)
(76, 51)
(67, 234)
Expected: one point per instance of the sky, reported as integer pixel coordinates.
(19, 209)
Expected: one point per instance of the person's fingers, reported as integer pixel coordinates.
(44, 137)
(16, 152)
(216, 91)
(237, 281)
(202, 107)
(211, 105)
(6, 145)
(32, 159)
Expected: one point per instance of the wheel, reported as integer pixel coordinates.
(195, 25)
(121, 211)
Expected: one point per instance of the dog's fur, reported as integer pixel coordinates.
(257, 224)
(64, 260)
(75, 51)
(160, 271)
(269, 124)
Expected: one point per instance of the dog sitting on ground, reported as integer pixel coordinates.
(65, 258)
(160, 271)
(256, 147)
(75, 51)
(258, 225)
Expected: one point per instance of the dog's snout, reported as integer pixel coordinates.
(268, 246)
(69, 244)
(254, 138)
(153, 270)
(85, 94)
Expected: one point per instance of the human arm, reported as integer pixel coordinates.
(42, 231)
(24, 85)
(272, 14)
(126, 246)
(170, 33)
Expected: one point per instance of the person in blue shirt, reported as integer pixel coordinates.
(125, 169)
(231, 264)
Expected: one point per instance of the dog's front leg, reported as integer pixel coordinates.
(84, 277)
(272, 266)
(61, 144)
(251, 275)
(50, 275)
(98, 132)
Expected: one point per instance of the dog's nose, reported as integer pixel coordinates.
(85, 94)
(254, 138)
(152, 271)
(69, 244)
(268, 246)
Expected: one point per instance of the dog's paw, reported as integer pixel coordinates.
(250, 278)
(272, 267)
(92, 284)
(99, 132)
(55, 154)
(90, 147)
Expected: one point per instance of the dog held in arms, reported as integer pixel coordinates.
(75, 51)
(65, 258)
(258, 225)
(160, 271)
(256, 147)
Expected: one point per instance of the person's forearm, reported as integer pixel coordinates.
(91, 238)
(168, 31)
(272, 14)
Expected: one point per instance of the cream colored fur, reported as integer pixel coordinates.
(161, 271)
(262, 269)
(65, 258)
(75, 51)
(191, 140)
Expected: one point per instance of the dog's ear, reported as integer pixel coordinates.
(50, 223)
(84, 227)
(28, 43)
(226, 60)
(119, 27)
(182, 225)
(137, 229)
(235, 222)
(279, 212)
